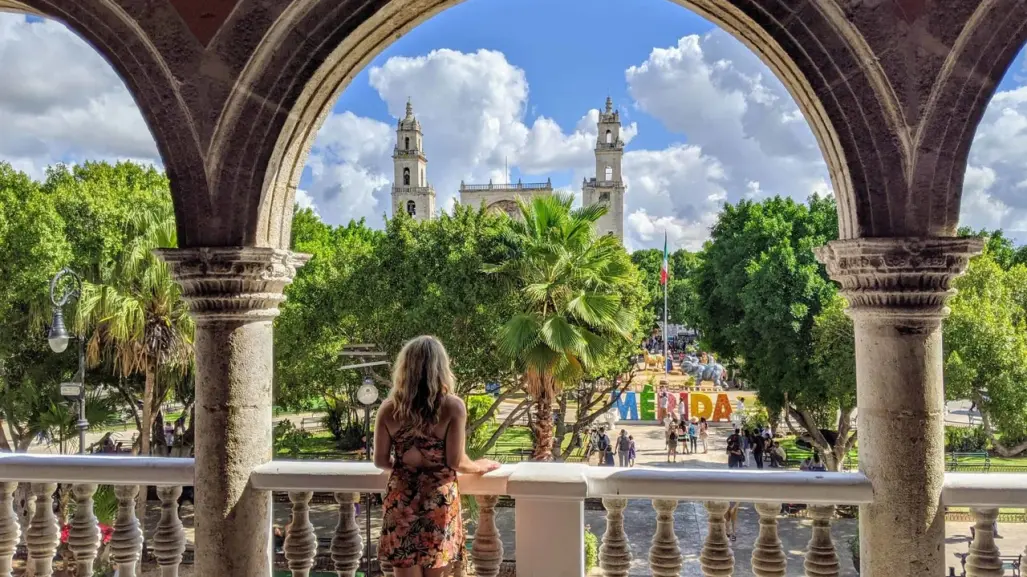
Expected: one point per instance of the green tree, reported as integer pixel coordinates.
(985, 340)
(33, 247)
(757, 291)
(135, 316)
(573, 311)
(679, 287)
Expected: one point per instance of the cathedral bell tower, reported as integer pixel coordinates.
(608, 187)
(410, 189)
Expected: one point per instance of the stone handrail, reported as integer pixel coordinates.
(549, 513)
(96, 469)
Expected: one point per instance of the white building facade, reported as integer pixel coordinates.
(412, 193)
(607, 187)
(410, 189)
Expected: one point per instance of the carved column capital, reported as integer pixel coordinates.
(898, 277)
(232, 283)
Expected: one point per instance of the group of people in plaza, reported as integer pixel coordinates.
(624, 447)
(688, 433)
(759, 444)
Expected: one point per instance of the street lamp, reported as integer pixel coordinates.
(58, 339)
(367, 394)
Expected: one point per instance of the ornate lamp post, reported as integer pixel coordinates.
(59, 339)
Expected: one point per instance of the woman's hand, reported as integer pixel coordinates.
(487, 466)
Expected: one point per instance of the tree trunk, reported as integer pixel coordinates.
(542, 417)
(146, 430)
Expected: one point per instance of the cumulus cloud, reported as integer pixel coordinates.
(473, 110)
(717, 93)
(60, 101)
(995, 185)
(741, 134)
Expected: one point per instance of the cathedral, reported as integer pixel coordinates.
(412, 193)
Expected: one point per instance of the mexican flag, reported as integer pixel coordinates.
(664, 272)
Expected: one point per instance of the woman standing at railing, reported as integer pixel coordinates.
(420, 435)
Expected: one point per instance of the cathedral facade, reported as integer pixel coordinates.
(412, 193)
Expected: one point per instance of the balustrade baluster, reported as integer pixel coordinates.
(768, 555)
(10, 532)
(664, 553)
(300, 541)
(169, 539)
(984, 560)
(84, 533)
(716, 558)
(615, 553)
(821, 556)
(346, 543)
(487, 550)
(127, 539)
(44, 534)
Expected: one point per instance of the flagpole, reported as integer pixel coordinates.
(666, 364)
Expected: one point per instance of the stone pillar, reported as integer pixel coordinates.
(233, 295)
(897, 289)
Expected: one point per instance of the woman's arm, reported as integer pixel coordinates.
(456, 443)
(382, 439)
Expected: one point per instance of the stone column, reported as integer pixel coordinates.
(897, 289)
(233, 295)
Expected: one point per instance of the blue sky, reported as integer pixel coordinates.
(554, 42)
(520, 81)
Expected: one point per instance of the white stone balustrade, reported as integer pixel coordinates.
(549, 514)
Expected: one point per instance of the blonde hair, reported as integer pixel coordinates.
(420, 382)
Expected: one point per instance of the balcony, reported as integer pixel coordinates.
(548, 515)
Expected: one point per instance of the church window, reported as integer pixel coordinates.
(609, 137)
(604, 197)
(609, 173)
(406, 177)
(411, 208)
(406, 143)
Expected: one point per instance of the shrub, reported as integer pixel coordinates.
(966, 439)
(591, 550)
(288, 438)
(477, 406)
(754, 416)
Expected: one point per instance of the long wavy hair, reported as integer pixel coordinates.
(420, 382)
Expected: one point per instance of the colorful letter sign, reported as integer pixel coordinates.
(714, 407)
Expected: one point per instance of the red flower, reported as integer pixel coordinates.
(106, 531)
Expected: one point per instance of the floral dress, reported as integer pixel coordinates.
(421, 523)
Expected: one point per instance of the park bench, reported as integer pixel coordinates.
(312, 423)
(962, 461)
(1010, 564)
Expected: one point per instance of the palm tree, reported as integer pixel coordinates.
(573, 311)
(136, 316)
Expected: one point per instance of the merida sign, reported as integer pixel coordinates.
(715, 407)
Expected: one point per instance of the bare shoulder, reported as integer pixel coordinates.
(454, 406)
(386, 410)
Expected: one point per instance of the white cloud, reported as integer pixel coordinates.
(60, 101)
(994, 189)
(718, 94)
(472, 108)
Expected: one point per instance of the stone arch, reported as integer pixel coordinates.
(609, 137)
(406, 143)
(150, 79)
(982, 51)
(411, 208)
(819, 55)
(406, 177)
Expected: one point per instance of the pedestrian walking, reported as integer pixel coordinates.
(672, 444)
(623, 449)
(631, 451)
(735, 456)
(693, 436)
(704, 434)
